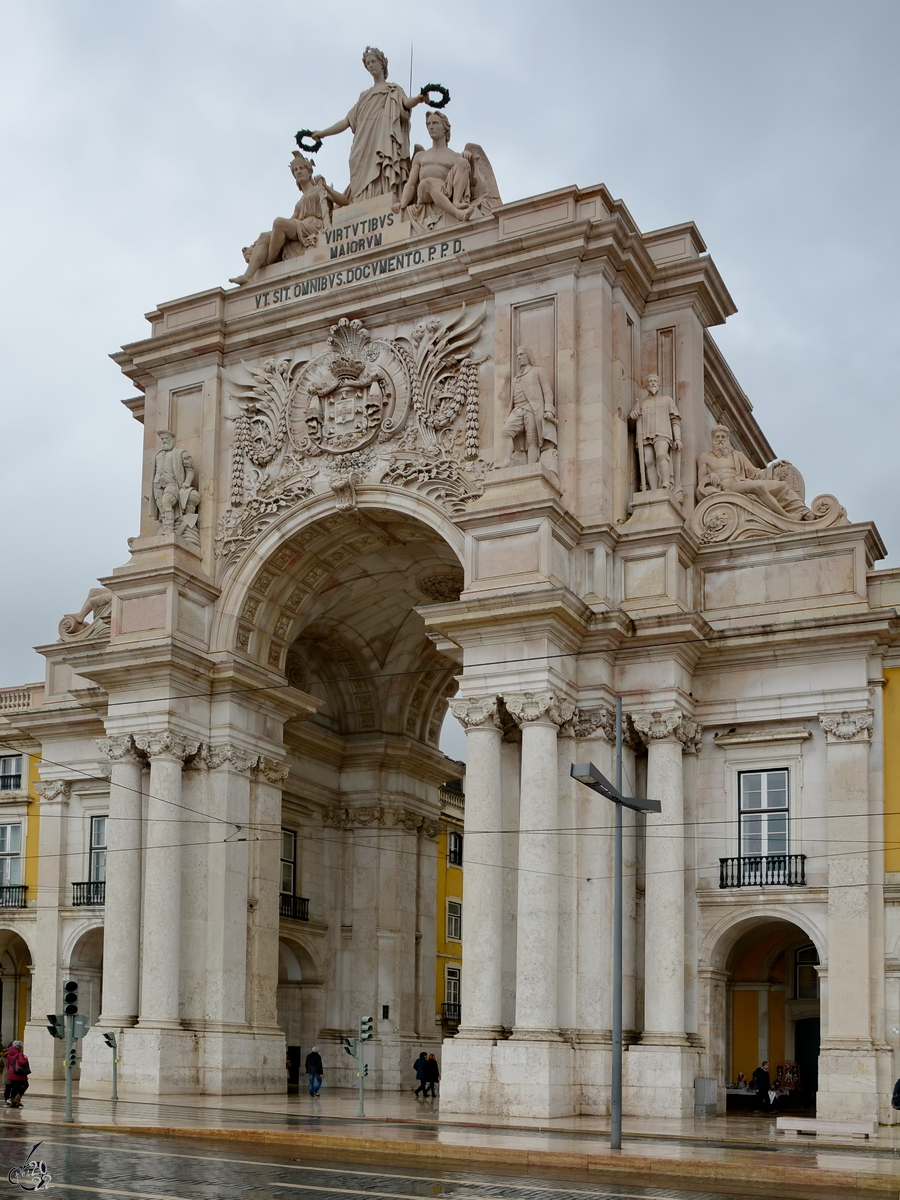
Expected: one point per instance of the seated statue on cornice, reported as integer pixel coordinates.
(738, 500)
(445, 187)
(292, 235)
(723, 469)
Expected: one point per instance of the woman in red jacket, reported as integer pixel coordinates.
(17, 1072)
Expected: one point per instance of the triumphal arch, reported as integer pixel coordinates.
(438, 446)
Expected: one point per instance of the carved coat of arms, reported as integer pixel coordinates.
(399, 411)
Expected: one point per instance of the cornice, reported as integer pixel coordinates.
(559, 610)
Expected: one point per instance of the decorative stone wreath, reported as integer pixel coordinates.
(316, 143)
(435, 87)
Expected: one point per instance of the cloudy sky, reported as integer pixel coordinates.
(144, 144)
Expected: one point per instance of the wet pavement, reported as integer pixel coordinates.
(729, 1152)
(77, 1162)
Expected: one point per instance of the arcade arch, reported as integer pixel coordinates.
(15, 985)
(764, 1001)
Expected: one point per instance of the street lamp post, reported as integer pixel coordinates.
(588, 774)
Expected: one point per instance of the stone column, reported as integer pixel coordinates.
(483, 900)
(659, 1073)
(122, 917)
(540, 715)
(665, 734)
(51, 893)
(848, 1061)
(267, 779)
(161, 932)
(227, 889)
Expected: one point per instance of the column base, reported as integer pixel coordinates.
(514, 1078)
(533, 1033)
(849, 1083)
(480, 1033)
(593, 1074)
(208, 1062)
(658, 1080)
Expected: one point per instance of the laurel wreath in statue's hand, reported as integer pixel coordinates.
(316, 145)
(435, 87)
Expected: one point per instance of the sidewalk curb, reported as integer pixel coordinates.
(450, 1154)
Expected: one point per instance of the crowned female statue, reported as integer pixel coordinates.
(379, 156)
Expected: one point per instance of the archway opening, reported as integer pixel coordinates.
(15, 986)
(298, 1004)
(773, 1011)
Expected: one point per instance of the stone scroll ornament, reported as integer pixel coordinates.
(739, 501)
(401, 411)
(75, 627)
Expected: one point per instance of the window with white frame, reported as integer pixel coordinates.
(10, 773)
(97, 854)
(454, 849)
(288, 861)
(764, 808)
(454, 920)
(451, 985)
(10, 855)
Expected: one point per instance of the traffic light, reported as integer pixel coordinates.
(365, 1068)
(350, 1046)
(55, 1028)
(79, 1026)
(70, 997)
(365, 1028)
(72, 1060)
(110, 1039)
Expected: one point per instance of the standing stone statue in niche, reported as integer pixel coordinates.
(311, 214)
(379, 156)
(532, 416)
(445, 187)
(723, 469)
(658, 437)
(174, 500)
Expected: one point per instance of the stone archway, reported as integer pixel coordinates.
(85, 964)
(16, 966)
(328, 603)
(299, 1003)
(763, 1002)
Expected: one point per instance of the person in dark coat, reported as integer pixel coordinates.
(313, 1068)
(761, 1085)
(17, 1072)
(419, 1068)
(432, 1074)
(895, 1098)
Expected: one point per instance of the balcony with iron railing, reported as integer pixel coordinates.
(763, 870)
(88, 895)
(450, 1014)
(11, 783)
(294, 908)
(12, 895)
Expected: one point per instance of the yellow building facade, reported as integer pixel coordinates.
(448, 962)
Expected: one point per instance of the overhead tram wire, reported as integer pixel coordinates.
(562, 829)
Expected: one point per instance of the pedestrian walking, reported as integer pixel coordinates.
(761, 1084)
(314, 1070)
(419, 1068)
(432, 1074)
(17, 1071)
(3, 1052)
(895, 1098)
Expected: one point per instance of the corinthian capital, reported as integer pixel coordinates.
(271, 769)
(669, 725)
(847, 726)
(55, 791)
(540, 706)
(166, 745)
(230, 755)
(476, 713)
(120, 748)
